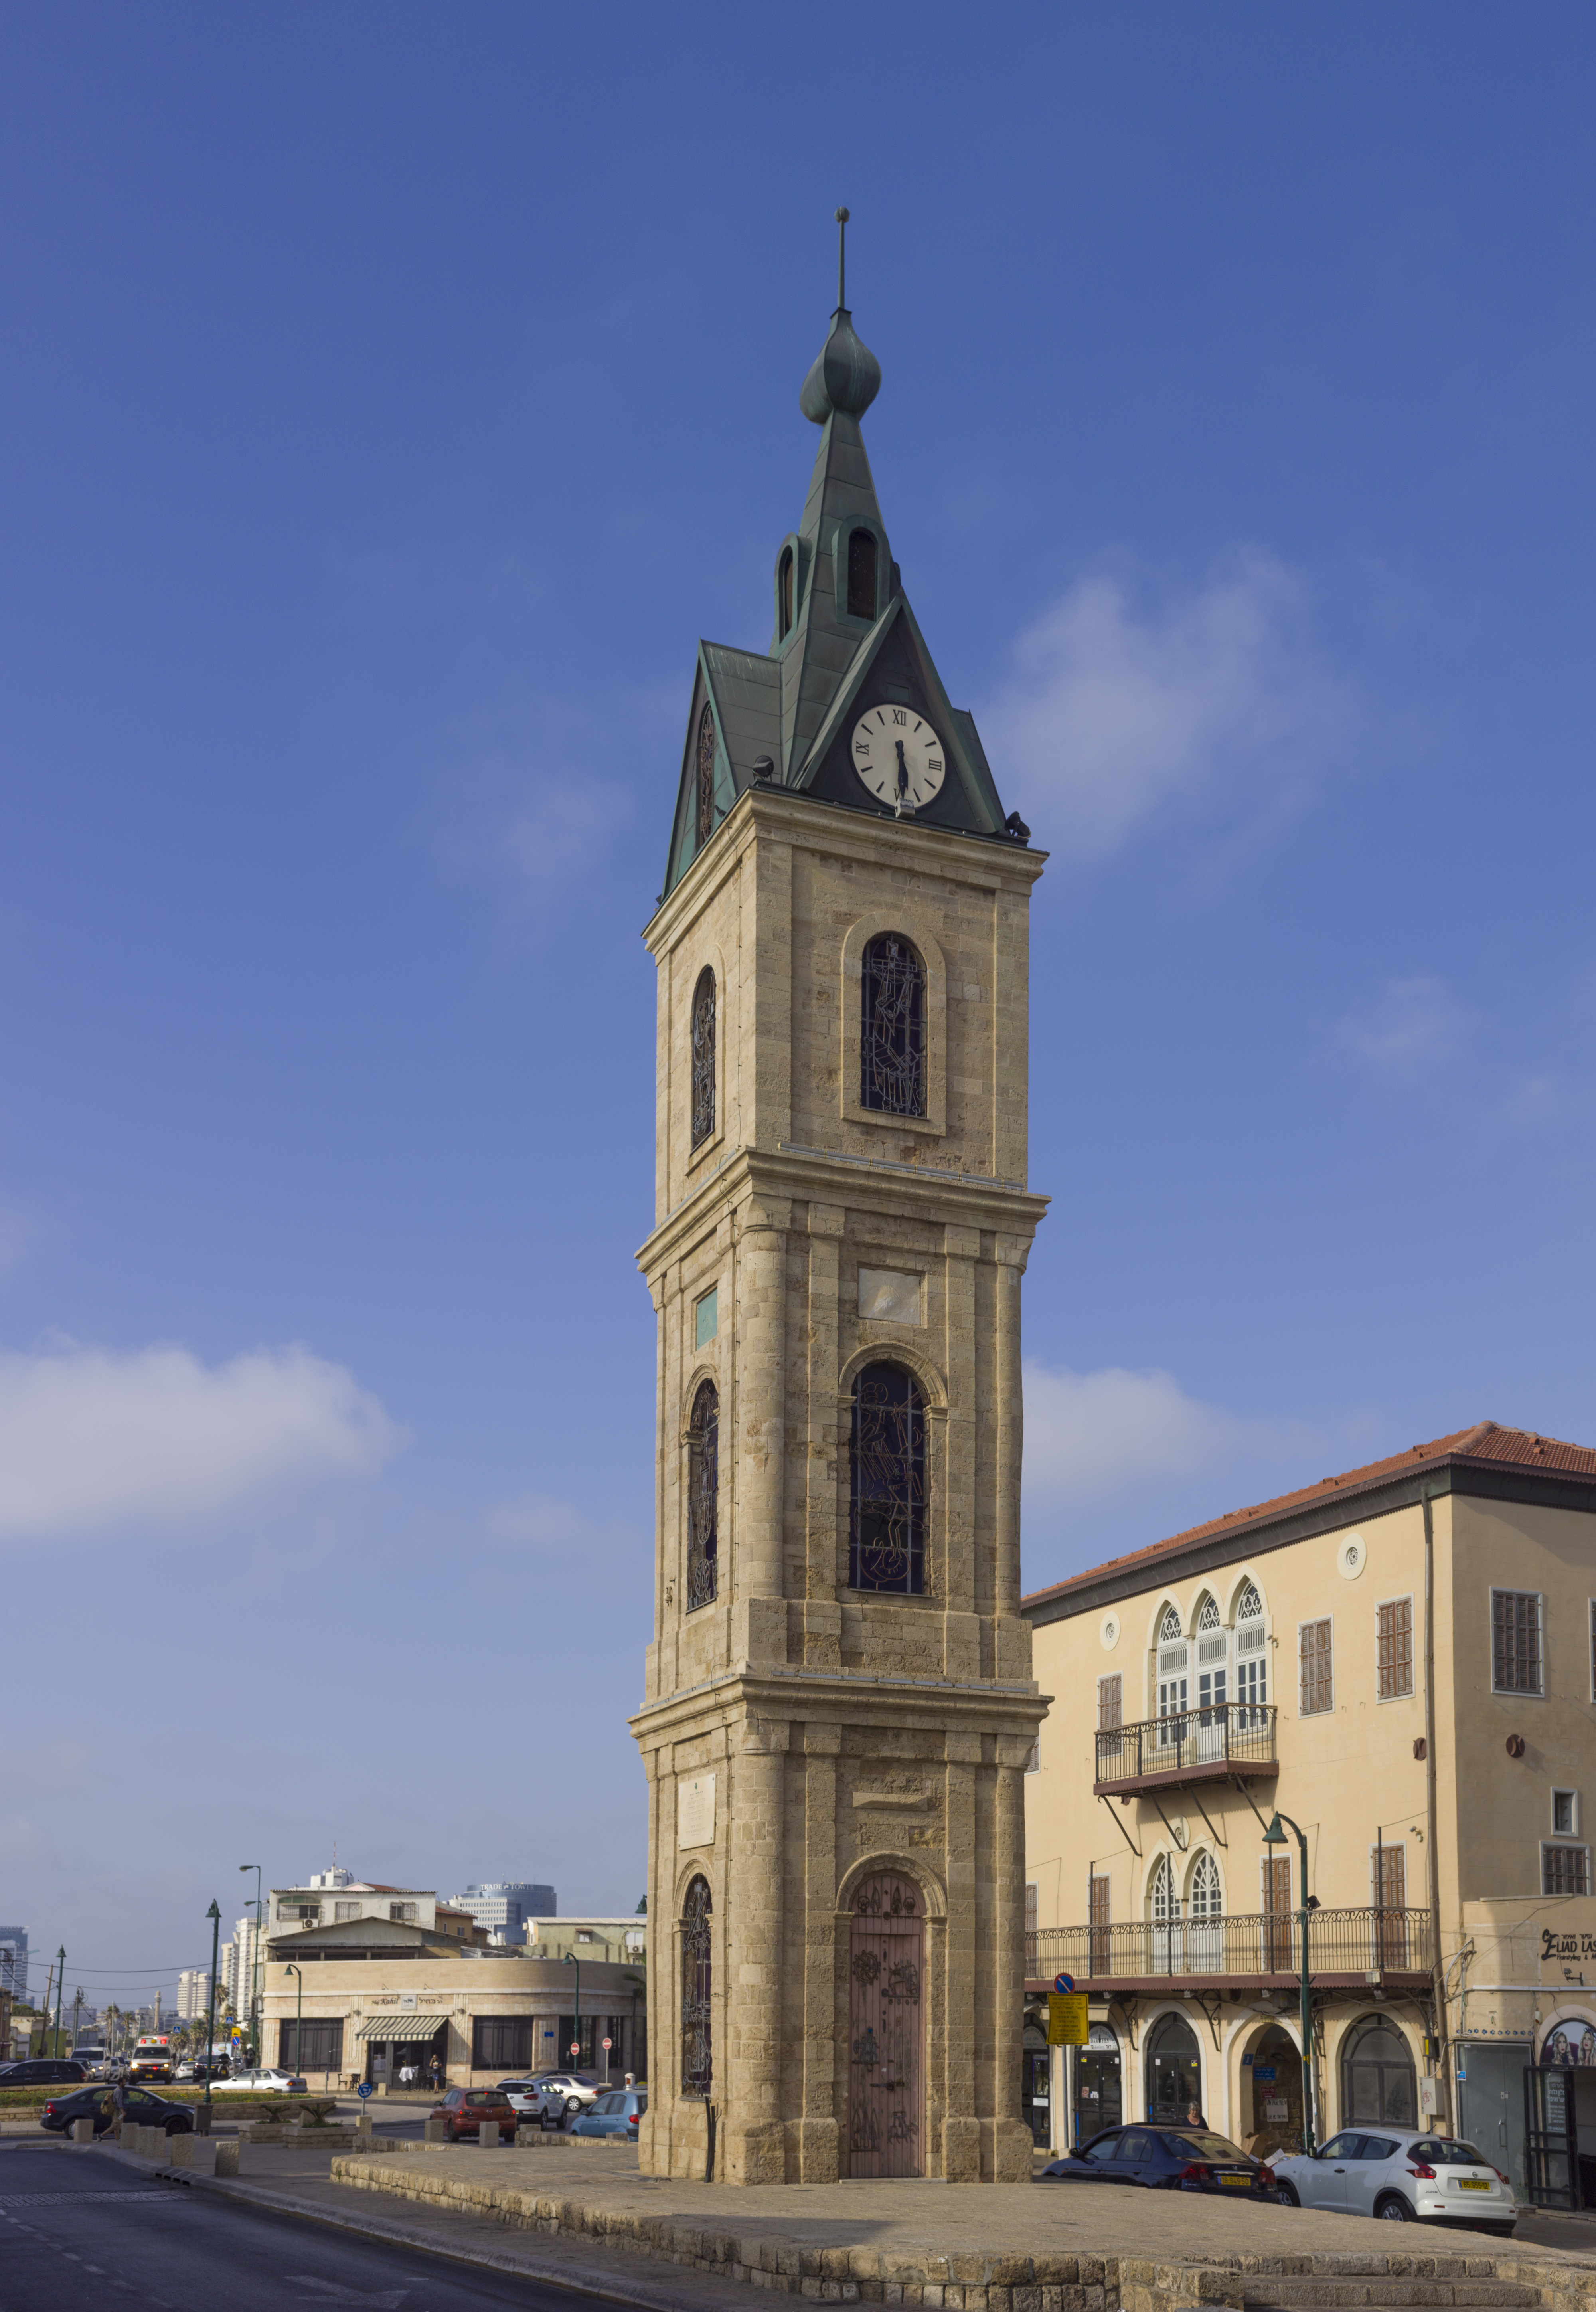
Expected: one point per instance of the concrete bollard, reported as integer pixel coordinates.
(525, 2135)
(180, 2150)
(83, 2130)
(362, 2128)
(437, 2128)
(487, 2134)
(227, 2154)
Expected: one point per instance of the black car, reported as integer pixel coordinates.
(139, 2107)
(43, 2071)
(1165, 2159)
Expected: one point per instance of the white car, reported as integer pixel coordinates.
(1406, 2178)
(561, 2096)
(266, 2082)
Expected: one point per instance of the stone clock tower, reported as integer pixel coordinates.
(838, 1704)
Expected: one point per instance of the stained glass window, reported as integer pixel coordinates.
(892, 1041)
(887, 1549)
(703, 1057)
(861, 574)
(703, 1496)
(698, 2070)
(706, 778)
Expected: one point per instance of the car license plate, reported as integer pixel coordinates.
(1236, 2182)
(1473, 2184)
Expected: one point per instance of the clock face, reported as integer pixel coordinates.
(898, 756)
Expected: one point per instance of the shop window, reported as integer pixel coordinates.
(320, 2048)
(1175, 2072)
(1378, 2080)
(505, 2044)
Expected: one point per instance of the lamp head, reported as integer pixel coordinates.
(213, 1913)
(1274, 1835)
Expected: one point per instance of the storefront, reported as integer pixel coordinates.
(1379, 2082)
(1097, 2101)
(1272, 2115)
(1174, 2072)
(1560, 2112)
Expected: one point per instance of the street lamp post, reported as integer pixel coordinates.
(214, 1916)
(254, 1965)
(299, 2018)
(1276, 1836)
(60, 1979)
(576, 2021)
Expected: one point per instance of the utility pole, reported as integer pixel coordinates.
(214, 1916)
(255, 1967)
(60, 1985)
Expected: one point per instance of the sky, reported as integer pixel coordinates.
(391, 398)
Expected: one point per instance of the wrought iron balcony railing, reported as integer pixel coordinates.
(1352, 1945)
(1187, 1745)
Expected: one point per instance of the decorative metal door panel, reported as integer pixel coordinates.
(886, 2065)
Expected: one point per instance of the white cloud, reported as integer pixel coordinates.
(547, 1523)
(1121, 717)
(1413, 1023)
(1096, 1434)
(90, 1438)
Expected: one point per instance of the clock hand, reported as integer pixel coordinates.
(903, 769)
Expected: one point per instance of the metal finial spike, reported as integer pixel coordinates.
(842, 257)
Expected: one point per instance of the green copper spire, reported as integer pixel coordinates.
(846, 375)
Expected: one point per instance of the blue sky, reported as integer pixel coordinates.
(391, 397)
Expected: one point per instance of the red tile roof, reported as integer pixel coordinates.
(1487, 1443)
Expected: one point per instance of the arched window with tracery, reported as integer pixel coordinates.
(1207, 1900)
(1163, 1895)
(784, 594)
(892, 1028)
(887, 1513)
(1170, 1626)
(1208, 1615)
(706, 779)
(703, 1057)
(698, 2067)
(703, 1497)
(1250, 1605)
(861, 574)
(1252, 1657)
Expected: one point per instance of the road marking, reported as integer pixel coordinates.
(333, 2291)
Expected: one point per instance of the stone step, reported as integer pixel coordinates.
(1280, 2292)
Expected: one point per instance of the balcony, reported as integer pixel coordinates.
(1263, 1950)
(1231, 1741)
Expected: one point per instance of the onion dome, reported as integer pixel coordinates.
(846, 375)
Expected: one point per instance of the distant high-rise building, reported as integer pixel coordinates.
(14, 1961)
(504, 1906)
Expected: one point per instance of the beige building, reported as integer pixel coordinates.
(1403, 1660)
(838, 1699)
(375, 1996)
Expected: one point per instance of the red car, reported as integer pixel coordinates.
(465, 2109)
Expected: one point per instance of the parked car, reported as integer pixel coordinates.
(615, 2113)
(270, 2081)
(563, 2094)
(1404, 2177)
(44, 2071)
(465, 2109)
(523, 2097)
(1165, 2159)
(98, 2103)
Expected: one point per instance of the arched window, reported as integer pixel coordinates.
(1175, 2072)
(706, 778)
(698, 2069)
(784, 594)
(1163, 1894)
(892, 1041)
(1206, 1902)
(887, 1520)
(861, 574)
(1208, 1615)
(1250, 1605)
(1378, 2080)
(703, 1057)
(1170, 1626)
(703, 1496)
(1252, 1657)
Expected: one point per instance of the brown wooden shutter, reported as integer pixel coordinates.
(1098, 1961)
(1394, 1644)
(1109, 1691)
(1317, 1684)
(1392, 1866)
(1276, 1905)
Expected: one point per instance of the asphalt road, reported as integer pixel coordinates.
(80, 2229)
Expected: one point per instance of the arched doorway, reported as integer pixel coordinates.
(887, 2070)
(1378, 2080)
(1174, 2072)
(1098, 2102)
(1276, 2073)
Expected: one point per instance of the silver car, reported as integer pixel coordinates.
(1404, 2177)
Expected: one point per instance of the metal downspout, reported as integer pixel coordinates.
(1437, 1977)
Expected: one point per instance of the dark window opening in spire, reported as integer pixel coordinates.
(888, 1523)
(861, 574)
(703, 1497)
(784, 595)
(892, 1041)
(703, 1057)
(706, 778)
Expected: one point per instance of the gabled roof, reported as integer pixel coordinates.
(1484, 1450)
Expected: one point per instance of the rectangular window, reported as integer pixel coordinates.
(403, 1911)
(1565, 1869)
(502, 2043)
(1565, 1814)
(1394, 1648)
(1211, 1693)
(1277, 1922)
(1387, 1870)
(1253, 1688)
(1109, 1704)
(1318, 1684)
(323, 2045)
(345, 1911)
(1515, 1640)
(1097, 1907)
(707, 1318)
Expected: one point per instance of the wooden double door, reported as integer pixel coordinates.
(886, 2035)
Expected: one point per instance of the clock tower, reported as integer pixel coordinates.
(839, 1705)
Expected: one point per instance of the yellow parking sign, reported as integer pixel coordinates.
(1067, 2025)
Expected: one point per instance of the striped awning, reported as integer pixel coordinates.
(404, 2025)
